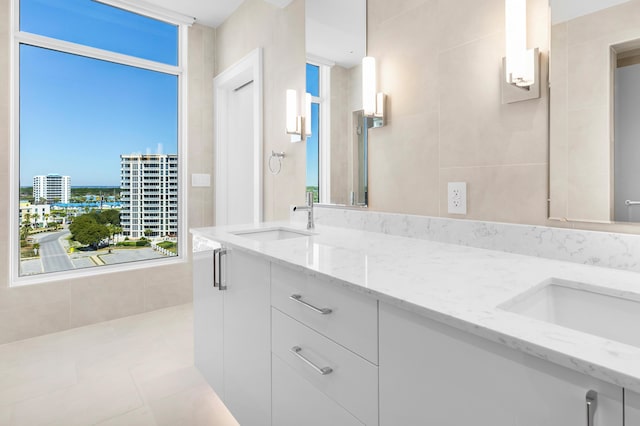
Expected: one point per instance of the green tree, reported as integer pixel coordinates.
(24, 232)
(148, 232)
(26, 219)
(113, 230)
(87, 231)
(111, 216)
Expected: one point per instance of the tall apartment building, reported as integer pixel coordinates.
(52, 188)
(149, 194)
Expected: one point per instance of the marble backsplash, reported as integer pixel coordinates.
(611, 250)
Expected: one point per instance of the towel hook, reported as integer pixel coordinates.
(279, 156)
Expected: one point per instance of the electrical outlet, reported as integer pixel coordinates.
(457, 197)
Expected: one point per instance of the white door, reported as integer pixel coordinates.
(238, 142)
(239, 201)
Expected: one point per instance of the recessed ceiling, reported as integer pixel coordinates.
(336, 30)
(211, 13)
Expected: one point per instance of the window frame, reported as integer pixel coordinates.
(324, 126)
(180, 71)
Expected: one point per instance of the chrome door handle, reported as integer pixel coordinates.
(217, 268)
(592, 406)
(321, 311)
(323, 371)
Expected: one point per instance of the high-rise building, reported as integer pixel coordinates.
(149, 195)
(51, 188)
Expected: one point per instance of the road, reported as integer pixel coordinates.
(53, 256)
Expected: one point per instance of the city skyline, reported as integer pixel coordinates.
(116, 184)
(78, 114)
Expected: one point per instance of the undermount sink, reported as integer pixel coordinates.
(272, 234)
(581, 307)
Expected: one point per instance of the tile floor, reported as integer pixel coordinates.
(131, 371)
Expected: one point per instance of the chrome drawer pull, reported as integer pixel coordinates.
(217, 268)
(298, 298)
(592, 406)
(323, 371)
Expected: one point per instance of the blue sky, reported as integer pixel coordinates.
(313, 87)
(77, 115)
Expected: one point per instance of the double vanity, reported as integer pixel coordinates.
(338, 326)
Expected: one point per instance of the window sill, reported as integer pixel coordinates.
(96, 271)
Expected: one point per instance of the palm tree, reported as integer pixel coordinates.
(24, 232)
(113, 231)
(26, 219)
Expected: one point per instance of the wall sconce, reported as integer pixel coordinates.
(373, 102)
(298, 126)
(521, 67)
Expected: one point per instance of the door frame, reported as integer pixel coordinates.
(249, 68)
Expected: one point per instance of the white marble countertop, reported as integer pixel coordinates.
(456, 285)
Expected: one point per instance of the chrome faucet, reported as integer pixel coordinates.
(309, 210)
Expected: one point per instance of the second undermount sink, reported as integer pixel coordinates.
(582, 307)
(272, 234)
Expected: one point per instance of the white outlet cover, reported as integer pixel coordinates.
(457, 197)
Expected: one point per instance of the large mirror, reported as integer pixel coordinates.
(595, 111)
(335, 33)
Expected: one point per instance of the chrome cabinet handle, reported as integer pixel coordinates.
(592, 406)
(321, 311)
(217, 268)
(320, 370)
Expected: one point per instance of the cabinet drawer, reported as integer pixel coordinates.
(353, 321)
(296, 402)
(353, 381)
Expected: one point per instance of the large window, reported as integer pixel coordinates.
(318, 143)
(97, 145)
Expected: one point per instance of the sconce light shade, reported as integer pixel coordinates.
(307, 114)
(515, 13)
(369, 86)
(520, 66)
(372, 101)
(299, 127)
(292, 112)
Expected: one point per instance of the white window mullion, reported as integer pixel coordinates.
(325, 135)
(14, 144)
(94, 53)
(183, 55)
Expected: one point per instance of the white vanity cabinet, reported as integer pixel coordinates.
(324, 352)
(433, 374)
(232, 329)
(631, 408)
(207, 321)
(288, 346)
